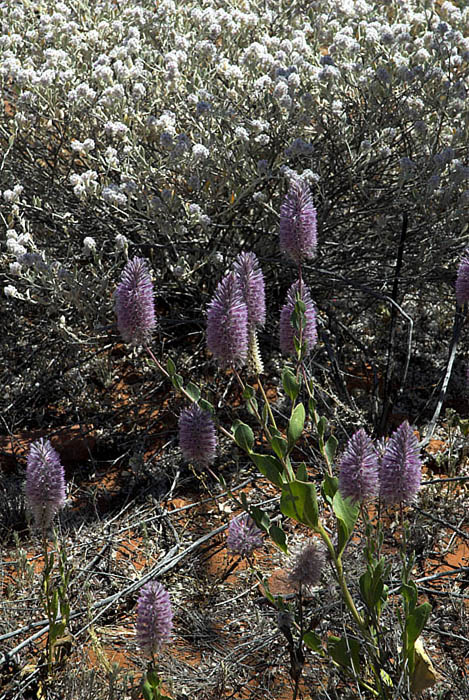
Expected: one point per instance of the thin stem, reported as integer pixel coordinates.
(267, 402)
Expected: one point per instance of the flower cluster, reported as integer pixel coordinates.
(243, 535)
(287, 330)
(45, 483)
(227, 323)
(359, 469)
(154, 617)
(392, 469)
(298, 228)
(235, 312)
(306, 565)
(401, 468)
(251, 282)
(133, 303)
(197, 438)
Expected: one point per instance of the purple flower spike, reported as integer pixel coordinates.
(306, 566)
(359, 471)
(154, 617)
(133, 303)
(227, 323)
(251, 282)
(298, 228)
(45, 483)
(197, 438)
(287, 331)
(401, 467)
(243, 535)
(462, 280)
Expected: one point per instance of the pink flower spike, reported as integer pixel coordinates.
(401, 468)
(298, 227)
(45, 483)
(133, 303)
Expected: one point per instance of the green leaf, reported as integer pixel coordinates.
(329, 488)
(147, 691)
(252, 407)
(279, 446)
(171, 367)
(416, 621)
(244, 436)
(322, 425)
(409, 593)
(330, 448)
(177, 381)
(249, 392)
(270, 467)
(55, 603)
(298, 501)
(313, 641)
(345, 651)
(206, 406)
(346, 514)
(153, 678)
(311, 401)
(278, 536)
(290, 384)
(296, 425)
(193, 391)
(260, 517)
(301, 472)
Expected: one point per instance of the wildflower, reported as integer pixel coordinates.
(306, 565)
(243, 535)
(298, 229)
(462, 280)
(133, 303)
(89, 245)
(45, 483)
(197, 438)
(358, 476)
(251, 282)
(400, 470)
(254, 359)
(287, 331)
(154, 617)
(227, 323)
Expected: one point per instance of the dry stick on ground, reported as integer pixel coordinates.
(170, 560)
(89, 566)
(459, 319)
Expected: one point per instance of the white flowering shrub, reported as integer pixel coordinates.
(177, 125)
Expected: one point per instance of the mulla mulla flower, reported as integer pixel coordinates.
(243, 535)
(359, 471)
(400, 468)
(298, 227)
(306, 565)
(45, 483)
(197, 437)
(133, 303)
(154, 617)
(227, 323)
(462, 280)
(251, 282)
(287, 331)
